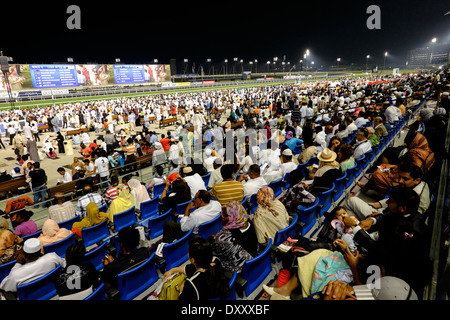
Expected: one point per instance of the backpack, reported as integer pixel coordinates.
(171, 287)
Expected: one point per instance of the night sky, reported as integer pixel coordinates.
(138, 33)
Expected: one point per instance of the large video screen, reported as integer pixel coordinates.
(129, 74)
(26, 77)
(53, 76)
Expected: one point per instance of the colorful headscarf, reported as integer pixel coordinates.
(93, 217)
(237, 216)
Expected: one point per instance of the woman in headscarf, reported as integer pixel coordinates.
(291, 141)
(270, 215)
(237, 238)
(138, 192)
(419, 153)
(123, 202)
(52, 233)
(93, 217)
(60, 139)
(11, 245)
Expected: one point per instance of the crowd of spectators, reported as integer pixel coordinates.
(276, 135)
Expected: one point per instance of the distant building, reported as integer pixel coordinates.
(431, 55)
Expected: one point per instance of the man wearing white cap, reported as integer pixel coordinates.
(33, 266)
(194, 181)
(287, 164)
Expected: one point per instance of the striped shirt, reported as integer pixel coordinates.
(130, 149)
(227, 191)
(111, 194)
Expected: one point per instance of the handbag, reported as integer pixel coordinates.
(171, 288)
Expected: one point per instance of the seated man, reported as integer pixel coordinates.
(403, 242)
(30, 266)
(228, 190)
(194, 180)
(271, 171)
(253, 181)
(62, 210)
(362, 144)
(205, 210)
(128, 257)
(287, 164)
(409, 177)
(216, 176)
(89, 196)
(66, 176)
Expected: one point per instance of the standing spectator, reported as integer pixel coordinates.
(101, 166)
(38, 184)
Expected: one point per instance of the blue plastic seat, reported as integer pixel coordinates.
(253, 204)
(244, 201)
(339, 187)
(210, 227)
(61, 246)
(297, 150)
(176, 253)
(277, 187)
(360, 164)
(133, 282)
(286, 183)
(367, 160)
(283, 234)
(33, 235)
(308, 216)
(302, 167)
(42, 288)
(103, 208)
(155, 224)
(350, 176)
(5, 269)
(149, 208)
(206, 179)
(68, 223)
(256, 270)
(182, 207)
(124, 219)
(232, 285)
(97, 294)
(313, 160)
(158, 189)
(94, 234)
(326, 200)
(95, 256)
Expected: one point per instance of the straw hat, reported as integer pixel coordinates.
(327, 155)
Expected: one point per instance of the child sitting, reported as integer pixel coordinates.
(345, 233)
(334, 228)
(52, 154)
